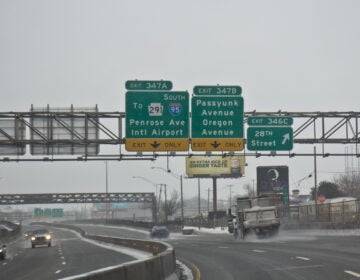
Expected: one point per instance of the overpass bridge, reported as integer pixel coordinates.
(50, 198)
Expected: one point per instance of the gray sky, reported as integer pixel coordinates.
(288, 55)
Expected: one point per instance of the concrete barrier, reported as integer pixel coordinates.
(187, 231)
(158, 267)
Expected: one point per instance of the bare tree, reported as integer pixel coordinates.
(327, 189)
(349, 184)
(172, 204)
(250, 190)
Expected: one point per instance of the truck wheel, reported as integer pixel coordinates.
(32, 246)
(236, 234)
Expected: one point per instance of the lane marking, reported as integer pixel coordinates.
(303, 258)
(223, 247)
(63, 263)
(357, 275)
(258, 251)
(57, 272)
(193, 267)
(295, 267)
(4, 263)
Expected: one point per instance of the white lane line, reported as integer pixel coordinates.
(4, 263)
(63, 263)
(258, 251)
(357, 275)
(223, 247)
(57, 272)
(62, 257)
(302, 258)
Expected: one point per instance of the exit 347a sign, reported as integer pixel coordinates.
(157, 121)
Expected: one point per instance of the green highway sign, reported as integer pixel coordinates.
(49, 212)
(217, 117)
(269, 138)
(157, 121)
(148, 85)
(38, 212)
(57, 212)
(219, 120)
(270, 121)
(217, 90)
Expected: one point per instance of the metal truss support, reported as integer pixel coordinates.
(323, 128)
(51, 198)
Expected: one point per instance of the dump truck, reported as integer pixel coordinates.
(254, 215)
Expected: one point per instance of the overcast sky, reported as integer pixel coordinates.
(288, 55)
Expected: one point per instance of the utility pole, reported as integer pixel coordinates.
(181, 189)
(315, 182)
(230, 187)
(208, 201)
(166, 208)
(214, 201)
(199, 210)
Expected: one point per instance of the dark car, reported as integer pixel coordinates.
(3, 252)
(159, 232)
(41, 237)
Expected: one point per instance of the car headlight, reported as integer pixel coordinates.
(48, 237)
(33, 238)
(1, 250)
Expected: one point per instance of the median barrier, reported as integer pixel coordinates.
(187, 231)
(158, 267)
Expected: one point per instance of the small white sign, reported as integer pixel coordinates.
(155, 109)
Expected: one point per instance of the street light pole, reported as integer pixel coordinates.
(315, 184)
(182, 201)
(106, 192)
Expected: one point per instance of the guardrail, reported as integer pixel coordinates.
(159, 267)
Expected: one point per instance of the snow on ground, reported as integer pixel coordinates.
(310, 232)
(138, 254)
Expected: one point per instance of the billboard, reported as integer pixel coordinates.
(117, 206)
(272, 180)
(215, 166)
(56, 130)
(11, 131)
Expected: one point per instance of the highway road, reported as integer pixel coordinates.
(330, 255)
(69, 255)
(211, 256)
(287, 257)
